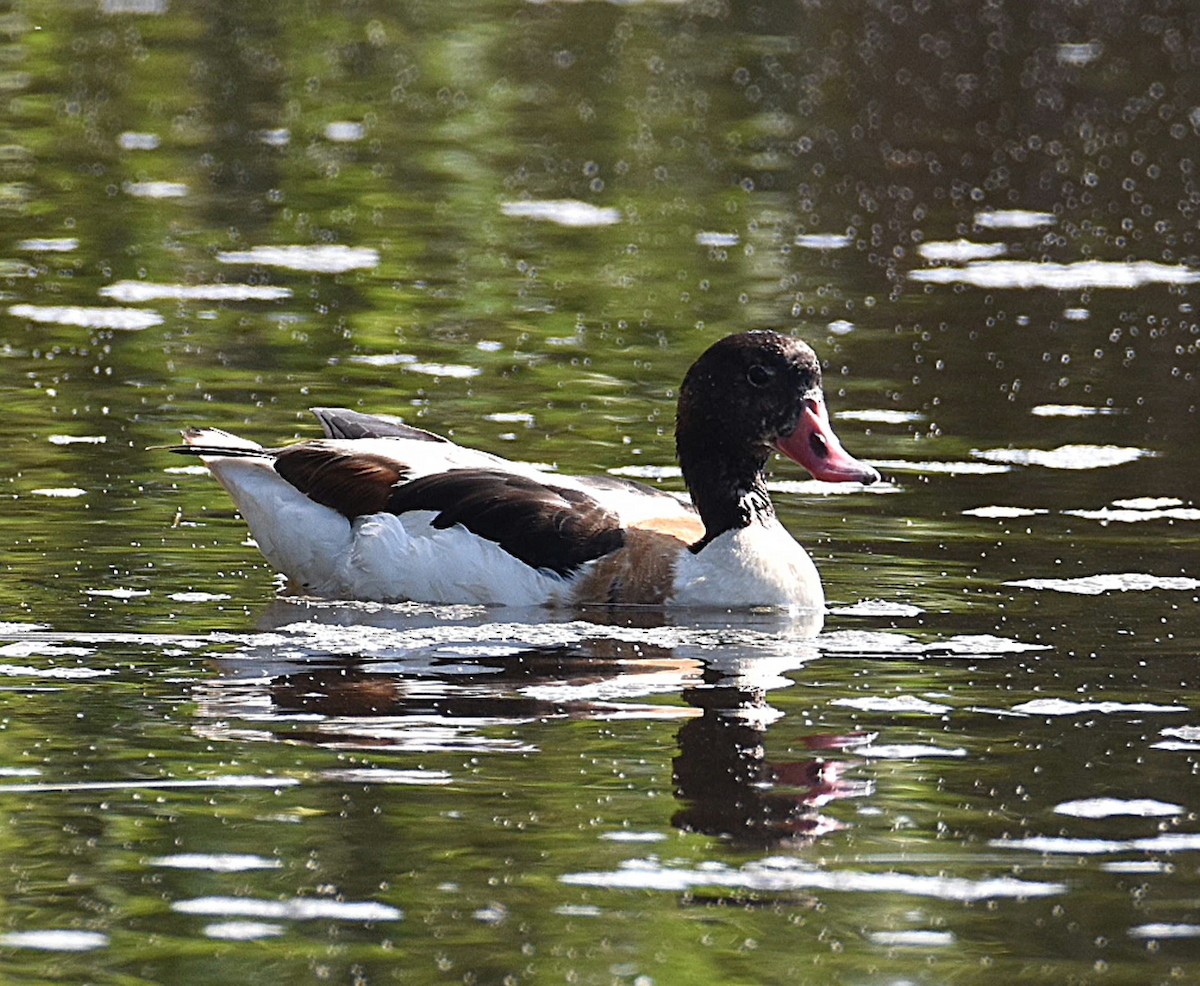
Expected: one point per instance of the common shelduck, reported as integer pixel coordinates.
(381, 511)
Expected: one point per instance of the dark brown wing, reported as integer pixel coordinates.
(352, 483)
(544, 526)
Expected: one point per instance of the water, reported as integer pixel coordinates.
(517, 224)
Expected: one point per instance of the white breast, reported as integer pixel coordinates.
(759, 565)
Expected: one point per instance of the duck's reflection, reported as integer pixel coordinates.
(401, 682)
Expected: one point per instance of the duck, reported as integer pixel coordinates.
(381, 511)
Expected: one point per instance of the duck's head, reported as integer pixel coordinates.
(758, 392)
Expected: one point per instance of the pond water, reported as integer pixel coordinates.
(517, 223)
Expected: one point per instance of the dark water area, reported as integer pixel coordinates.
(517, 224)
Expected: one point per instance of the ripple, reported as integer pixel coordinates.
(122, 319)
(563, 212)
(319, 259)
(1065, 456)
(1028, 274)
(879, 608)
(380, 775)
(135, 291)
(899, 703)
(1094, 585)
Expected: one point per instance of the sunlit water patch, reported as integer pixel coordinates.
(562, 212)
(1065, 456)
(1095, 585)
(318, 259)
(122, 319)
(1026, 275)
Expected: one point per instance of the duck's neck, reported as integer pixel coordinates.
(728, 489)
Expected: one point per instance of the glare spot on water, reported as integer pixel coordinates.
(647, 472)
(824, 241)
(1066, 707)
(1107, 515)
(156, 189)
(125, 319)
(54, 941)
(132, 140)
(788, 875)
(1108, 807)
(77, 439)
(382, 359)
(136, 291)
(242, 930)
(1029, 274)
(1065, 456)
(61, 244)
(717, 239)
(380, 775)
(345, 131)
(564, 212)
(878, 608)
(1162, 930)
(960, 251)
(900, 703)
(633, 836)
(198, 597)
(1069, 410)
(296, 909)
(882, 416)
(935, 466)
(815, 487)
(1014, 219)
(1004, 513)
(216, 862)
(1079, 53)
(61, 492)
(912, 939)
(118, 593)
(456, 371)
(1094, 585)
(840, 327)
(279, 137)
(908, 751)
(320, 259)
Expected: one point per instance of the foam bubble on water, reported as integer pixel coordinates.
(960, 251)
(904, 704)
(156, 189)
(242, 930)
(717, 239)
(1029, 274)
(786, 875)
(1073, 457)
(230, 862)
(1066, 707)
(1069, 410)
(563, 212)
(52, 244)
(295, 909)
(1014, 219)
(315, 258)
(52, 940)
(1004, 513)
(132, 292)
(884, 416)
(1108, 807)
(120, 319)
(824, 241)
(1095, 585)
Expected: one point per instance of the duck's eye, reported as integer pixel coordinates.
(759, 375)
